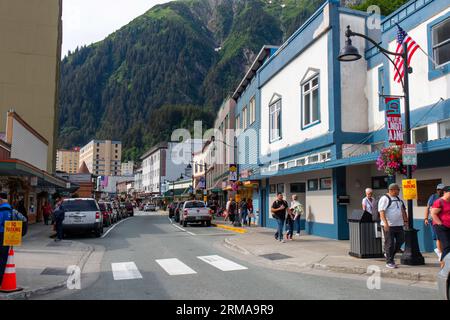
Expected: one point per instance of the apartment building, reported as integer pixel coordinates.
(68, 160)
(128, 168)
(102, 157)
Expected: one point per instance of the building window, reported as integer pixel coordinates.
(273, 188)
(313, 185)
(381, 88)
(280, 188)
(427, 188)
(444, 129)
(275, 121)
(441, 42)
(238, 122)
(313, 159)
(298, 187)
(310, 106)
(420, 135)
(252, 110)
(244, 117)
(301, 162)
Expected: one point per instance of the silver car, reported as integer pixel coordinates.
(195, 212)
(444, 279)
(82, 215)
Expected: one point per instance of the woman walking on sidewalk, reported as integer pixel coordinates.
(47, 211)
(297, 210)
(251, 214)
(441, 221)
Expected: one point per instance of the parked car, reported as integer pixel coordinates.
(82, 215)
(178, 208)
(129, 208)
(150, 207)
(196, 211)
(107, 216)
(172, 208)
(443, 279)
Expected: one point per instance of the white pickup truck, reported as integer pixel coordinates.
(195, 211)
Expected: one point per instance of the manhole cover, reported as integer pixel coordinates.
(60, 244)
(54, 272)
(275, 256)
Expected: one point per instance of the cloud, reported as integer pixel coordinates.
(89, 21)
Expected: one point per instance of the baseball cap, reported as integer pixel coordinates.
(3, 196)
(446, 189)
(440, 186)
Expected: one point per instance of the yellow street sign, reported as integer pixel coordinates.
(409, 189)
(13, 233)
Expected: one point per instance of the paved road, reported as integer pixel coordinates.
(146, 257)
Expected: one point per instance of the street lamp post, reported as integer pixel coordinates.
(411, 255)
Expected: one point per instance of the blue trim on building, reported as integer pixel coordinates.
(340, 211)
(445, 69)
(430, 114)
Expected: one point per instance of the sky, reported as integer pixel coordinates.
(89, 21)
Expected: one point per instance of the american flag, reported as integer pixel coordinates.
(412, 46)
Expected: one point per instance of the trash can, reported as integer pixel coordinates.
(364, 240)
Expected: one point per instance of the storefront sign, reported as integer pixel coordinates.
(409, 189)
(394, 120)
(409, 155)
(13, 233)
(233, 176)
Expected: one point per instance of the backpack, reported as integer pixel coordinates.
(17, 216)
(390, 201)
(232, 207)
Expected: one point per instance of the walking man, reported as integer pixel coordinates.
(441, 221)
(5, 215)
(393, 219)
(428, 220)
(244, 211)
(59, 218)
(278, 210)
(297, 209)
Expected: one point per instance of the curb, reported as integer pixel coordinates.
(26, 294)
(385, 273)
(235, 229)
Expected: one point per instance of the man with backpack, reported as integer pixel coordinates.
(244, 211)
(5, 215)
(393, 218)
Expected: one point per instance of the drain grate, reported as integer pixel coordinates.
(275, 256)
(54, 272)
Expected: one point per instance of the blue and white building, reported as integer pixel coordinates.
(248, 125)
(322, 122)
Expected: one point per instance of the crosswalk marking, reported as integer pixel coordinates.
(222, 263)
(175, 267)
(125, 271)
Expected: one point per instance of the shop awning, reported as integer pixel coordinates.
(18, 168)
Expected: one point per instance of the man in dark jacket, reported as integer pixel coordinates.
(5, 215)
(59, 218)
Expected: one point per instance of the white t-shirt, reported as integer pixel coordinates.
(370, 206)
(394, 215)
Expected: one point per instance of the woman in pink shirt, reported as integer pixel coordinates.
(440, 213)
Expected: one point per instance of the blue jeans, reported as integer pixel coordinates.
(290, 227)
(279, 233)
(59, 230)
(244, 216)
(298, 225)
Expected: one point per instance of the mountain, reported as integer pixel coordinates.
(172, 65)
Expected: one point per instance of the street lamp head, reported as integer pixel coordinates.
(349, 52)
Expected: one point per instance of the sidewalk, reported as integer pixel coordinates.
(310, 252)
(41, 263)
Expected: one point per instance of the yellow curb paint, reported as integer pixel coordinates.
(222, 226)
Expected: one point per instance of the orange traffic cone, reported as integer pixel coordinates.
(9, 283)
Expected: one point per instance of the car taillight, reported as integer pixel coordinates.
(97, 215)
(185, 212)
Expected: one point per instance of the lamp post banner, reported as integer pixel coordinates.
(394, 120)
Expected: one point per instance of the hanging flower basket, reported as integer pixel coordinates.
(390, 161)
